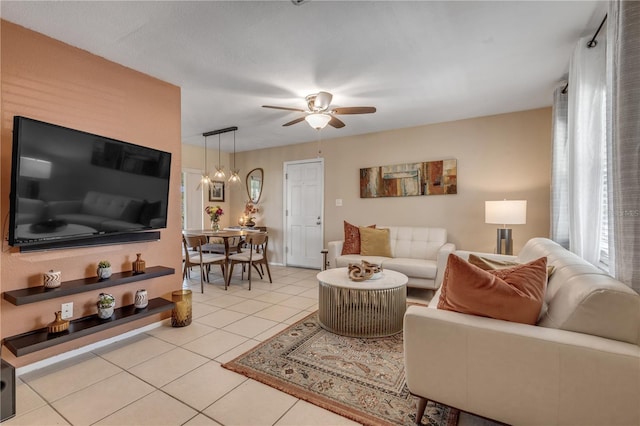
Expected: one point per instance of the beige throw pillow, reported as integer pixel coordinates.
(375, 242)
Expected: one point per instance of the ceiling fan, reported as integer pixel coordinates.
(318, 113)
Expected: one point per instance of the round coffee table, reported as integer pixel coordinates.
(372, 308)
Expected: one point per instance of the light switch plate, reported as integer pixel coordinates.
(338, 202)
(67, 310)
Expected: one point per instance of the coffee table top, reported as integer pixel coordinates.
(339, 277)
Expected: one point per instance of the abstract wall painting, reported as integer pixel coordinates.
(405, 180)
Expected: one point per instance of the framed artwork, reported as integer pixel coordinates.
(409, 179)
(216, 191)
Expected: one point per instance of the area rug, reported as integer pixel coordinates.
(362, 379)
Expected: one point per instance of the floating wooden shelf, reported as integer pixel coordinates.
(36, 340)
(40, 293)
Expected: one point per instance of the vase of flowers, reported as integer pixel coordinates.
(104, 269)
(106, 304)
(214, 214)
(250, 209)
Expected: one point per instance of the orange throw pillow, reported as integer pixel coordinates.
(514, 294)
(352, 238)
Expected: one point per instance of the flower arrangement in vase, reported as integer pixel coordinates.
(250, 209)
(106, 304)
(104, 269)
(214, 214)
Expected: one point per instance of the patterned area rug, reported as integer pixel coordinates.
(362, 379)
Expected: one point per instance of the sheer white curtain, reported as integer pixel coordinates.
(623, 35)
(559, 164)
(586, 148)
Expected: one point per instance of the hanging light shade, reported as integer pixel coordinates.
(318, 120)
(205, 179)
(219, 174)
(235, 173)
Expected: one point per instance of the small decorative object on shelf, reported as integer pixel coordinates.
(52, 279)
(106, 303)
(58, 325)
(181, 313)
(104, 269)
(139, 265)
(141, 299)
(364, 271)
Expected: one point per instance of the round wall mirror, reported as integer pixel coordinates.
(254, 184)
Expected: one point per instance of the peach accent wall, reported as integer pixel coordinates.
(499, 156)
(50, 81)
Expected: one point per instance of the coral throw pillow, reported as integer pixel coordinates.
(489, 264)
(352, 238)
(375, 242)
(513, 294)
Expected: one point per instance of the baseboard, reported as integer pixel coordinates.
(88, 348)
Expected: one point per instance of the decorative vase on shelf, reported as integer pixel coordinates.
(104, 273)
(215, 226)
(106, 304)
(139, 265)
(52, 279)
(58, 325)
(141, 299)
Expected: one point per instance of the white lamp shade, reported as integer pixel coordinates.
(506, 212)
(35, 168)
(317, 120)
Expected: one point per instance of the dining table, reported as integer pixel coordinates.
(225, 235)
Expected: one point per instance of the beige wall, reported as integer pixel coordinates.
(53, 82)
(501, 156)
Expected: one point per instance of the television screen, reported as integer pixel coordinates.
(68, 185)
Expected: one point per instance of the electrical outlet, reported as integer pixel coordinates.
(67, 310)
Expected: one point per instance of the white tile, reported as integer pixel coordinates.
(250, 326)
(181, 335)
(306, 414)
(271, 332)
(294, 319)
(26, 398)
(248, 294)
(201, 420)
(221, 318)
(292, 289)
(167, 367)
(273, 297)
(201, 309)
(129, 352)
(237, 351)
(266, 404)
(249, 306)
(298, 302)
(310, 294)
(277, 313)
(41, 416)
(289, 279)
(204, 385)
(61, 379)
(225, 301)
(102, 399)
(157, 408)
(215, 344)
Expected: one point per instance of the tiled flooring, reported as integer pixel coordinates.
(173, 376)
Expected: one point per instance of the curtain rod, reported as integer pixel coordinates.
(591, 43)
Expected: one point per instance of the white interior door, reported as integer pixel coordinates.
(304, 206)
(192, 206)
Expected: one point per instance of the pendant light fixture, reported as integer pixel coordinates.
(205, 179)
(235, 177)
(219, 174)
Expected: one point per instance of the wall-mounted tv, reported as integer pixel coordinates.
(72, 188)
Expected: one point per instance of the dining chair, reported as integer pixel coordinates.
(196, 257)
(253, 254)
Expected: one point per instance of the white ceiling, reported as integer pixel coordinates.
(418, 62)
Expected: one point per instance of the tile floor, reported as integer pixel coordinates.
(173, 376)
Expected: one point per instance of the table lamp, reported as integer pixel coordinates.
(506, 212)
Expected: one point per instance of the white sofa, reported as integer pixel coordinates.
(418, 252)
(579, 366)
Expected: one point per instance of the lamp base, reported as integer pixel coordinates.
(504, 243)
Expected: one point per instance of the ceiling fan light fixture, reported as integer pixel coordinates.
(318, 120)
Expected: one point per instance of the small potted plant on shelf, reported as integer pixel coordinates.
(104, 269)
(106, 303)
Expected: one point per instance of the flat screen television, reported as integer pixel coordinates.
(72, 188)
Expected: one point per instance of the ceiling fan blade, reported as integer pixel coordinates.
(297, 120)
(335, 122)
(322, 101)
(284, 108)
(354, 110)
